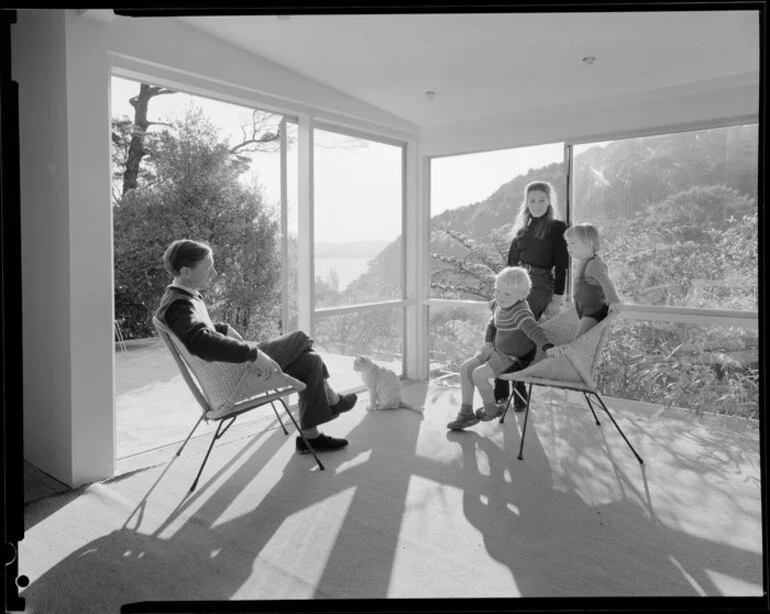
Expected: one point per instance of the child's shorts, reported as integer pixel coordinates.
(597, 315)
(500, 362)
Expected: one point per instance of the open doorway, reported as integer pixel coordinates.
(185, 166)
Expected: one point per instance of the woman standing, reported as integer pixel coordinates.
(538, 245)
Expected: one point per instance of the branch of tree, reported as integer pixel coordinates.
(268, 137)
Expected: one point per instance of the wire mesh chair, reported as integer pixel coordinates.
(575, 369)
(225, 390)
(119, 337)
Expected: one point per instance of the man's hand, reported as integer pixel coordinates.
(266, 365)
(556, 351)
(231, 332)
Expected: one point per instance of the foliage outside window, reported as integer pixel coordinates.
(677, 214)
(189, 177)
(678, 218)
(710, 369)
(469, 243)
(377, 334)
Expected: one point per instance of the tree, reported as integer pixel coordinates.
(133, 143)
(136, 150)
(197, 194)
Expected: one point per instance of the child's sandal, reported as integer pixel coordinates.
(483, 416)
(462, 421)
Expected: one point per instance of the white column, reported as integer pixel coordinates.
(306, 244)
(92, 348)
(417, 283)
(60, 62)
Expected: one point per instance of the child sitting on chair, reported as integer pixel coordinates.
(594, 293)
(510, 340)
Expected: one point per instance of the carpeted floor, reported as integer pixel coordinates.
(410, 510)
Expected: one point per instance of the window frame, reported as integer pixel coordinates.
(318, 313)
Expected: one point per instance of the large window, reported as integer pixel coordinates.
(358, 253)
(677, 214)
(678, 218)
(358, 218)
(474, 201)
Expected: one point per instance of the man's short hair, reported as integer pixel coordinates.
(184, 252)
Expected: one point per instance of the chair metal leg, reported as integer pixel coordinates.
(588, 400)
(272, 404)
(639, 458)
(219, 432)
(524, 430)
(119, 334)
(179, 451)
(301, 434)
(507, 405)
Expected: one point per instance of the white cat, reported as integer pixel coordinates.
(383, 385)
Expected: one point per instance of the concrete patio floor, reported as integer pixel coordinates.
(699, 487)
(411, 510)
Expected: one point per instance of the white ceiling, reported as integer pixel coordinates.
(485, 65)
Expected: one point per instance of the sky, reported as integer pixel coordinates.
(357, 183)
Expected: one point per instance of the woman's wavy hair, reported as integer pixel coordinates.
(523, 217)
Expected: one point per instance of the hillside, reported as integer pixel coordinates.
(353, 249)
(614, 182)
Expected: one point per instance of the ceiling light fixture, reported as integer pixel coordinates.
(589, 59)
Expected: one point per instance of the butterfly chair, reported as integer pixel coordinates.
(575, 369)
(225, 390)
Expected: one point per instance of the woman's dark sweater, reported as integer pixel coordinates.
(546, 253)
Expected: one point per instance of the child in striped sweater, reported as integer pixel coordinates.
(511, 338)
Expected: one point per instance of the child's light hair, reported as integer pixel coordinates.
(514, 277)
(585, 233)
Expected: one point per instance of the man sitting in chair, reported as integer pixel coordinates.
(183, 309)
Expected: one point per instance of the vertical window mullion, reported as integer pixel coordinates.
(284, 232)
(568, 167)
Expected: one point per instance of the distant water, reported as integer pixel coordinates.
(348, 269)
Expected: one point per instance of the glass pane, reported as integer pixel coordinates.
(358, 196)
(702, 368)
(377, 334)
(456, 334)
(474, 201)
(677, 214)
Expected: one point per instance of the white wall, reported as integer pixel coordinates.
(61, 66)
(689, 106)
(40, 71)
